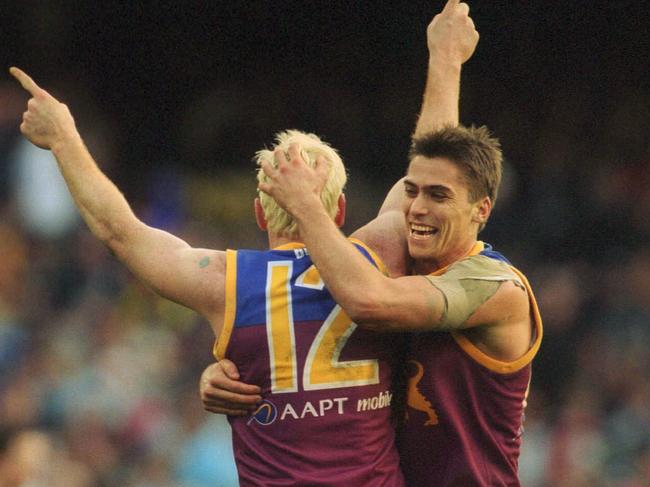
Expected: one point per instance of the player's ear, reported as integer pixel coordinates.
(482, 210)
(259, 215)
(339, 219)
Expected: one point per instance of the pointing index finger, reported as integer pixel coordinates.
(25, 81)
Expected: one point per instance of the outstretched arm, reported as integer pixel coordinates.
(191, 277)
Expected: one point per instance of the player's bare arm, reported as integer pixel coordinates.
(412, 303)
(168, 264)
(451, 39)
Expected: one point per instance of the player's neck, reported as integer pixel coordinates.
(278, 240)
(429, 266)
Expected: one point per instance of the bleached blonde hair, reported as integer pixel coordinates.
(278, 220)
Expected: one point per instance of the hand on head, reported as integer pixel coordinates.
(46, 120)
(452, 34)
(293, 183)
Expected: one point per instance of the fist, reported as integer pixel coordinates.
(451, 34)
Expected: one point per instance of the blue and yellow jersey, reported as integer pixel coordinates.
(325, 418)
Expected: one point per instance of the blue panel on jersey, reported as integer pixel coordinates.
(493, 254)
(251, 286)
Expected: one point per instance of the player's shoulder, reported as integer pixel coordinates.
(386, 236)
(483, 267)
(511, 296)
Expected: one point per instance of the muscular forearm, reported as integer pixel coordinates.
(165, 262)
(441, 96)
(452, 39)
(191, 277)
(101, 204)
(349, 277)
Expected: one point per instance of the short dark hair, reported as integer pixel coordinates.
(472, 149)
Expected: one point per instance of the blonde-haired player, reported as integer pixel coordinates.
(278, 220)
(269, 311)
(320, 375)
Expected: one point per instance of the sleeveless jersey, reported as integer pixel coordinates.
(465, 409)
(325, 419)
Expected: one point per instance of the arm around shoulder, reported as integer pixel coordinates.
(476, 291)
(408, 303)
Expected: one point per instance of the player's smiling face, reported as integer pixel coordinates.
(441, 221)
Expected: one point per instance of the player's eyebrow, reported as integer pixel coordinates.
(438, 188)
(430, 188)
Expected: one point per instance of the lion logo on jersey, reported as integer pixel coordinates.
(415, 399)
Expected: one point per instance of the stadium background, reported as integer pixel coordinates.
(98, 377)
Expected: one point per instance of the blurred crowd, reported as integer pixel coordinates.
(99, 376)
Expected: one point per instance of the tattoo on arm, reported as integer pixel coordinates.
(204, 262)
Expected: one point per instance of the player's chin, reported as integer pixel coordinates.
(418, 249)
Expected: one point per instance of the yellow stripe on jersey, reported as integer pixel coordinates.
(324, 370)
(311, 278)
(279, 326)
(290, 246)
(373, 255)
(221, 343)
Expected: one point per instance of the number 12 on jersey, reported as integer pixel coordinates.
(322, 368)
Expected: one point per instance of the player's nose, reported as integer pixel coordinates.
(418, 206)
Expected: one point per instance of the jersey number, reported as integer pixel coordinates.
(323, 369)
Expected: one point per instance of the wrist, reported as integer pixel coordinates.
(309, 208)
(65, 141)
(444, 63)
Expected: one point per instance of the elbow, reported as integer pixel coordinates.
(115, 237)
(367, 312)
(109, 235)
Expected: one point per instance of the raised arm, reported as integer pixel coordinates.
(452, 39)
(192, 277)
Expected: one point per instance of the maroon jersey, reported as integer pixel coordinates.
(326, 416)
(465, 409)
